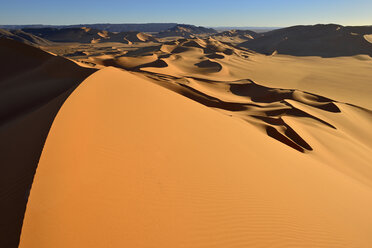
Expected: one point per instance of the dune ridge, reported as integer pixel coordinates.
(157, 179)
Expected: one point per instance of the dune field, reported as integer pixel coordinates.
(129, 139)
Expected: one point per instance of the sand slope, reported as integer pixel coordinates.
(33, 85)
(131, 164)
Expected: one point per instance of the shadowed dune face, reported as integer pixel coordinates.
(33, 86)
(211, 65)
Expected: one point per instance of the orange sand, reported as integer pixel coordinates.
(128, 163)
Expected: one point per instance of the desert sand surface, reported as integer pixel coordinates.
(137, 171)
(187, 138)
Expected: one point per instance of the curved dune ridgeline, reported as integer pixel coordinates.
(128, 163)
(33, 86)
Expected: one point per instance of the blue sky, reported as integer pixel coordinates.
(203, 12)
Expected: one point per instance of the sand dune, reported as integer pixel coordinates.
(185, 31)
(33, 85)
(244, 34)
(236, 36)
(318, 40)
(188, 142)
(24, 37)
(184, 175)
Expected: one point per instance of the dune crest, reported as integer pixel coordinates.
(180, 175)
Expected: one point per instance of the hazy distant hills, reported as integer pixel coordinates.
(329, 40)
(142, 27)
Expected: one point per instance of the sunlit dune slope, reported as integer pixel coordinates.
(128, 163)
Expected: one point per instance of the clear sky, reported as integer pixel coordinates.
(259, 13)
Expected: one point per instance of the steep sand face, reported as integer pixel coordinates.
(130, 164)
(33, 85)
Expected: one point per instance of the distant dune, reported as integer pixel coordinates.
(236, 36)
(318, 40)
(88, 35)
(186, 31)
(247, 34)
(24, 37)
